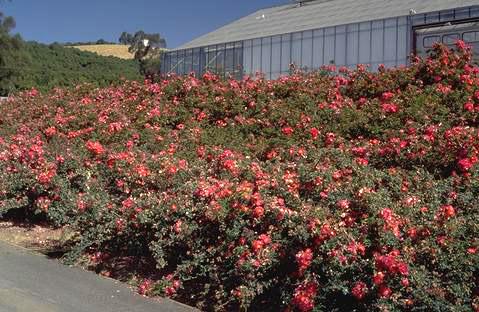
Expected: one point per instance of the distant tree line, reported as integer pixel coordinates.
(99, 41)
(154, 39)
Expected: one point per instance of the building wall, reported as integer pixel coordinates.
(376, 42)
(386, 41)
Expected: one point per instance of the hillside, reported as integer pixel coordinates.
(116, 50)
(49, 66)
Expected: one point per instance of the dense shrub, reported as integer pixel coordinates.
(345, 192)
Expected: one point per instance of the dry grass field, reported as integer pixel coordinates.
(117, 50)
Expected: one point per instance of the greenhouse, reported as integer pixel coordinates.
(310, 34)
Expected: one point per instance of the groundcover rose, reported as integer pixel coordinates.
(321, 191)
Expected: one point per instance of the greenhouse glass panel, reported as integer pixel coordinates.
(188, 61)
(474, 12)
(364, 43)
(178, 62)
(196, 61)
(461, 14)
(429, 41)
(164, 63)
(446, 15)
(181, 62)
(402, 43)
(170, 63)
(340, 46)
(318, 48)
(377, 42)
(285, 53)
(403, 21)
(220, 59)
(307, 50)
(230, 59)
(432, 18)
(238, 60)
(275, 55)
(247, 56)
(174, 62)
(296, 49)
(329, 46)
(450, 39)
(471, 36)
(390, 40)
(212, 58)
(352, 44)
(256, 66)
(266, 56)
(203, 60)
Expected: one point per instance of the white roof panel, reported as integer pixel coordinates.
(318, 14)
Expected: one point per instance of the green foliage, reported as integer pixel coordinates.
(57, 66)
(11, 55)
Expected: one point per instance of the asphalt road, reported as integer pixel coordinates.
(32, 283)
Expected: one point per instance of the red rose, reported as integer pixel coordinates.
(95, 147)
(378, 279)
(257, 245)
(469, 106)
(359, 290)
(304, 258)
(51, 131)
(258, 212)
(287, 131)
(343, 204)
(384, 291)
(386, 96)
(389, 108)
(448, 211)
(330, 137)
(465, 164)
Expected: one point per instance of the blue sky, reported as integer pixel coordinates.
(178, 21)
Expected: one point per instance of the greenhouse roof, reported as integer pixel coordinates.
(293, 17)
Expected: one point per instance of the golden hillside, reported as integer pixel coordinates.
(117, 50)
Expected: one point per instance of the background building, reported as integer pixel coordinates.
(310, 34)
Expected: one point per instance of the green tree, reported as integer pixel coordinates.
(12, 57)
(147, 49)
(125, 38)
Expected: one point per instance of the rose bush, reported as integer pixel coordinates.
(321, 192)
